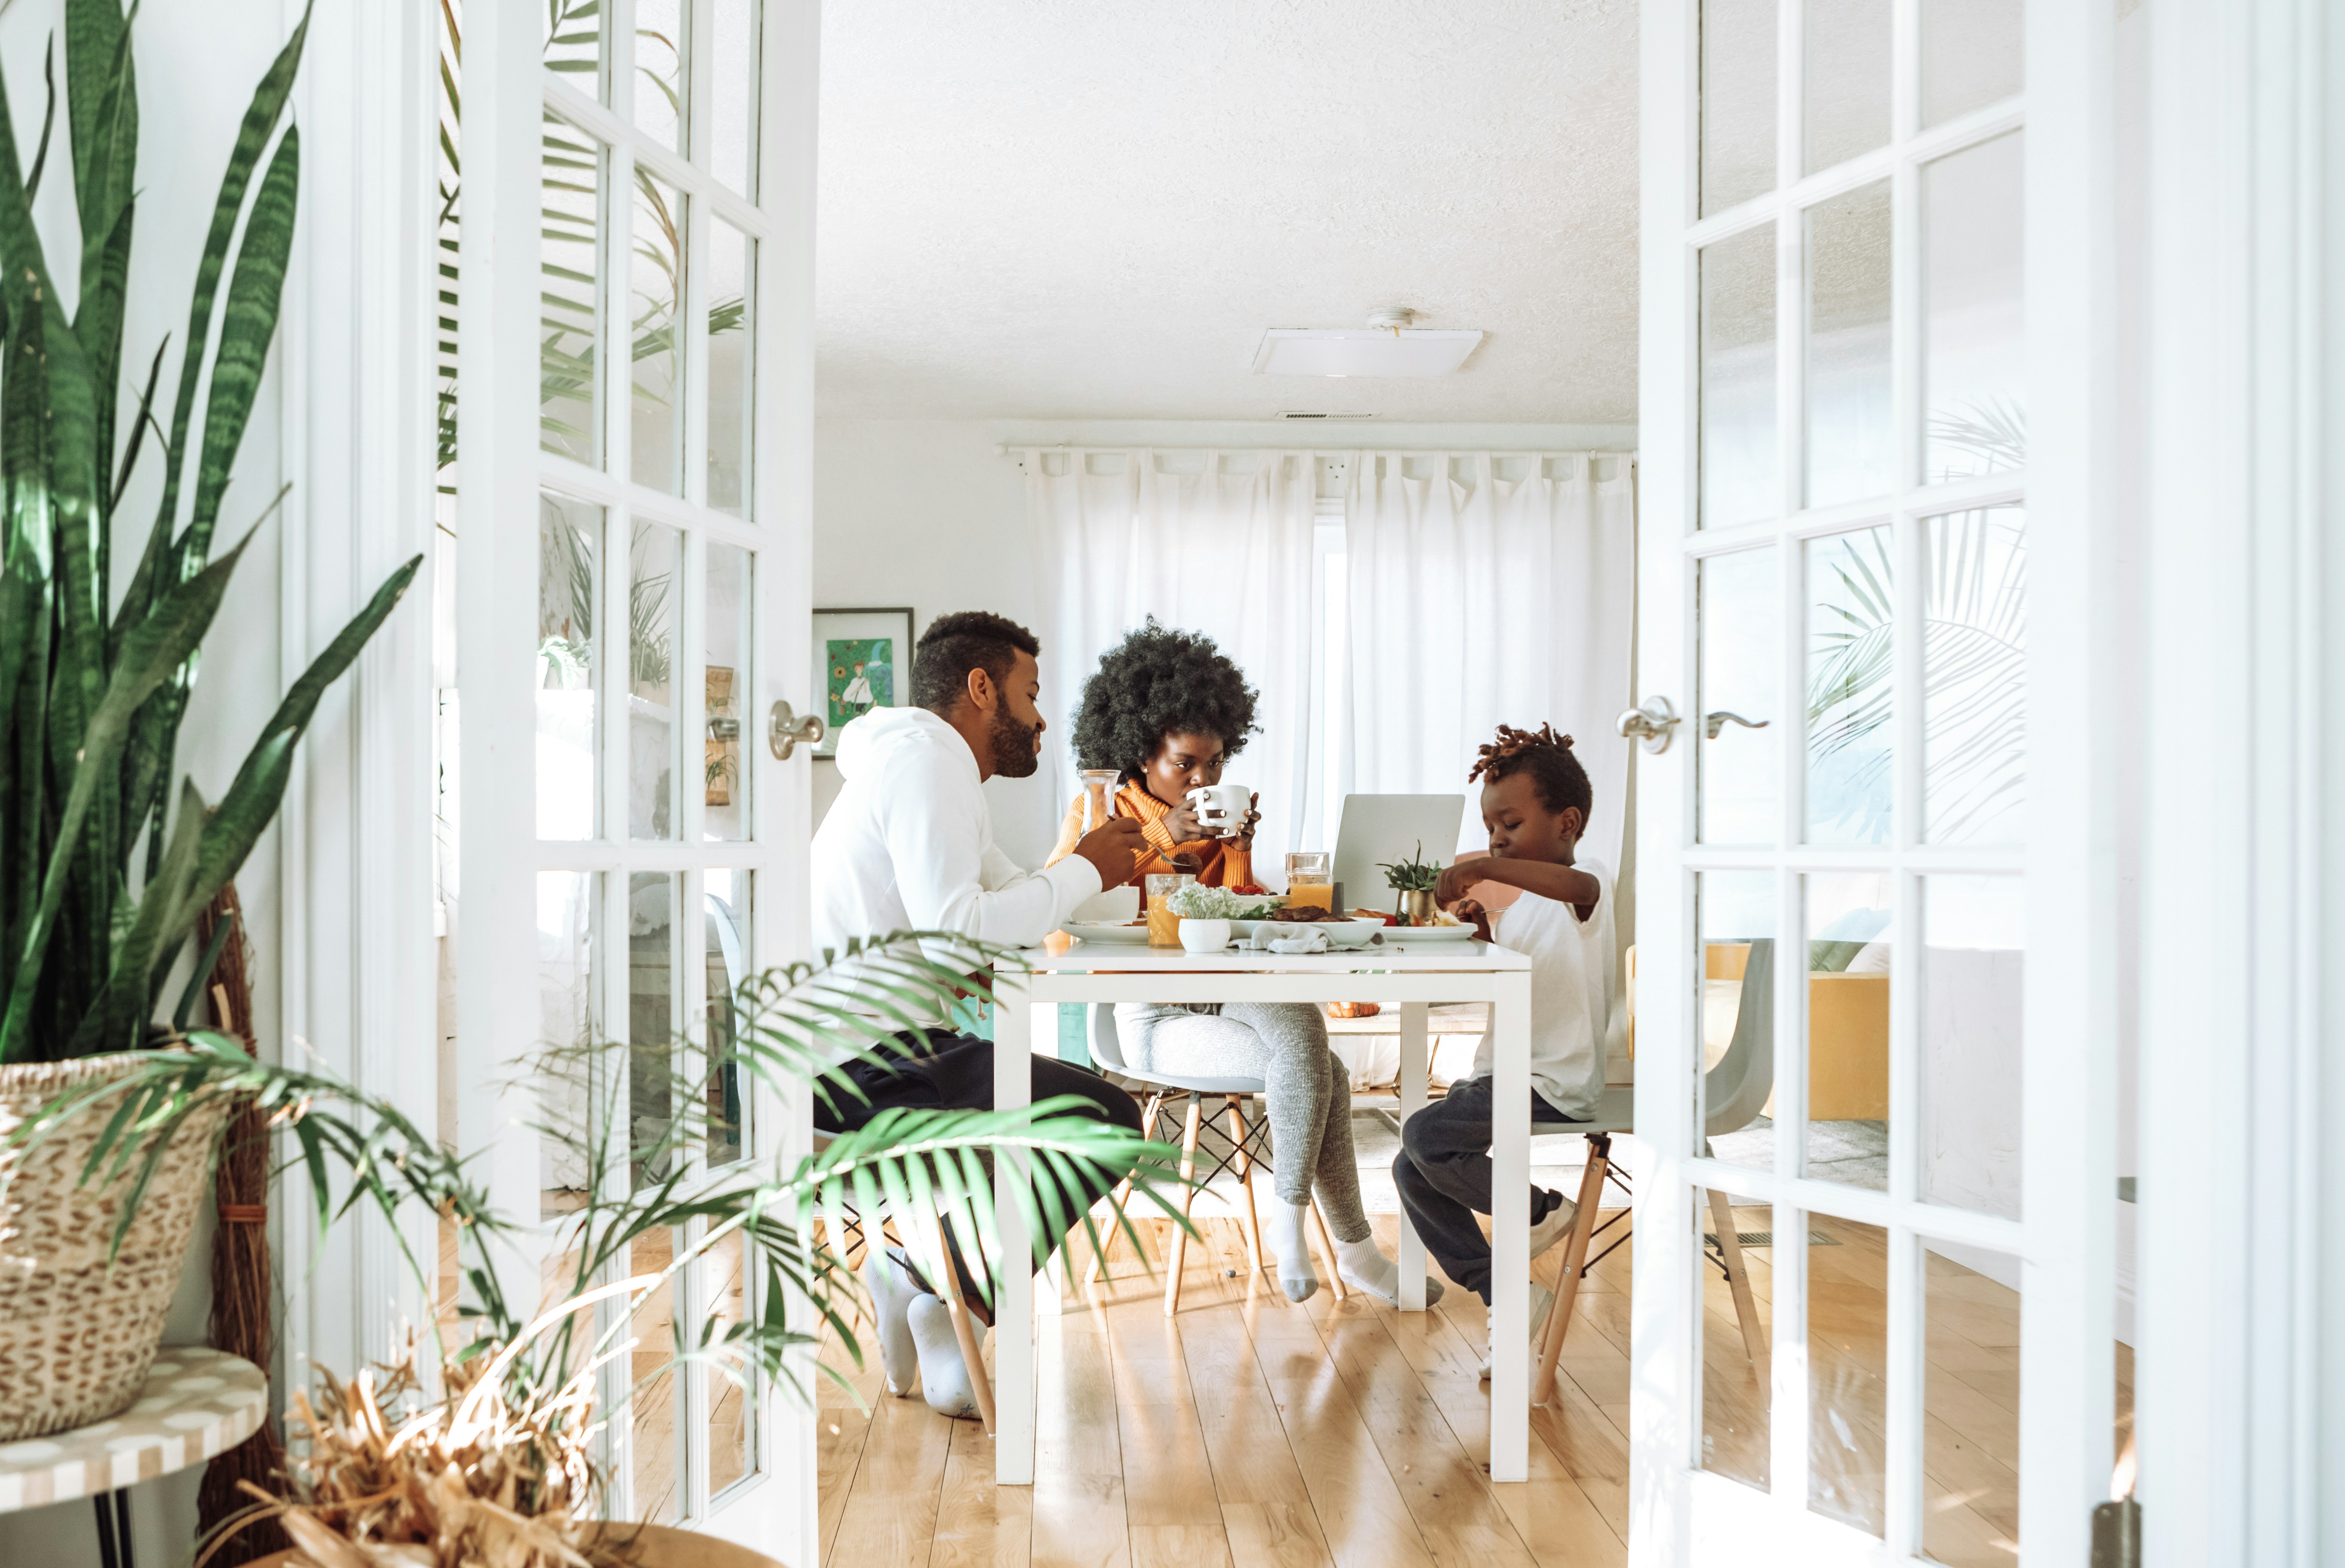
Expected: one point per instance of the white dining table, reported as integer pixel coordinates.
(1392, 970)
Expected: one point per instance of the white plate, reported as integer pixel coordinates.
(1127, 935)
(1428, 933)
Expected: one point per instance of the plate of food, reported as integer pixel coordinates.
(1343, 930)
(1131, 933)
(1444, 928)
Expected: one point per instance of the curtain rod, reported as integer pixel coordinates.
(1009, 449)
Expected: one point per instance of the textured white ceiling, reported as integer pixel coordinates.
(1091, 209)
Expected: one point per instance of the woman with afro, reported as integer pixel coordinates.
(1167, 710)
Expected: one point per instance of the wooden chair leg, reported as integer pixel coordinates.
(1746, 1310)
(1575, 1264)
(964, 1328)
(1188, 1196)
(1327, 1246)
(1244, 1169)
(1123, 1193)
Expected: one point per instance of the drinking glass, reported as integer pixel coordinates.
(1163, 926)
(1311, 879)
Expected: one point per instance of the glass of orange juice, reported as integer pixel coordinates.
(1163, 926)
(1310, 879)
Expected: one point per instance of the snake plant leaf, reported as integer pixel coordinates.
(94, 33)
(155, 647)
(117, 1019)
(48, 119)
(259, 120)
(106, 177)
(26, 616)
(246, 325)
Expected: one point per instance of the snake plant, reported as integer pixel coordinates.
(104, 864)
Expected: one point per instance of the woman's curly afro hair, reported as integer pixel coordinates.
(1157, 682)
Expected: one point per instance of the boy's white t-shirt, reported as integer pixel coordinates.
(1571, 992)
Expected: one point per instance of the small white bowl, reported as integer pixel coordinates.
(1353, 933)
(1204, 936)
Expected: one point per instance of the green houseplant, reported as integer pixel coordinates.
(1414, 881)
(105, 860)
(492, 1443)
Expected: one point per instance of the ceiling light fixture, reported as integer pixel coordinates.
(1388, 345)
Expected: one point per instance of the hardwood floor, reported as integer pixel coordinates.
(1245, 1433)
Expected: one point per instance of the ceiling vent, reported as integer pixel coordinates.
(1309, 414)
(1388, 345)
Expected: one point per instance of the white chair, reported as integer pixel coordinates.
(1106, 1054)
(1734, 1091)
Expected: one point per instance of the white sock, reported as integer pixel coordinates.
(1364, 1264)
(1283, 1228)
(944, 1375)
(892, 1295)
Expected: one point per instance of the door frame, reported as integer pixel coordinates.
(2066, 1239)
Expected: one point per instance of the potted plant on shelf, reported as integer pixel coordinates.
(493, 1448)
(105, 860)
(1414, 881)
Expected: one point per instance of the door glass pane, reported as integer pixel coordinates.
(655, 288)
(1849, 935)
(1971, 55)
(655, 1142)
(725, 960)
(1737, 915)
(1974, 678)
(658, 1467)
(1735, 1334)
(660, 54)
(573, 44)
(1847, 80)
(1970, 1409)
(1850, 625)
(730, 1456)
(725, 618)
(1848, 1345)
(1973, 344)
(1738, 378)
(1849, 441)
(569, 402)
(568, 918)
(732, 361)
(733, 153)
(1741, 661)
(569, 587)
(1973, 960)
(1738, 102)
(651, 592)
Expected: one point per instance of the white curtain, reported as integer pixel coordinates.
(1209, 541)
(1489, 589)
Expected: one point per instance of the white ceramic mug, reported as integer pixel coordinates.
(1222, 808)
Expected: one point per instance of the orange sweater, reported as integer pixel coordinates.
(1222, 862)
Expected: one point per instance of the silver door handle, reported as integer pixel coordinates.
(724, 729)
(1651, 723)
(785, 731)
(1713, 723)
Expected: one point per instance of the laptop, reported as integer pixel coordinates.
(1381, 829)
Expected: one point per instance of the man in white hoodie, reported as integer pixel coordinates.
(909, 846)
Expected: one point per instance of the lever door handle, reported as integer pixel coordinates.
(1651, 723)
(1713, 723)
(786, 732)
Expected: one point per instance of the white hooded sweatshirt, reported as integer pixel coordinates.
(909, 845)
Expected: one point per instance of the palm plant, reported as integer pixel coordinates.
(93, 689)
(520, 1400)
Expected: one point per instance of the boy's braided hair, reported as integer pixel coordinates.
(1547, 758)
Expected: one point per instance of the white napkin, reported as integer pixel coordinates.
(1306, 939)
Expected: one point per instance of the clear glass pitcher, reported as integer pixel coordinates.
(1099, 796)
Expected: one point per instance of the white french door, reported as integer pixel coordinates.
(633, 391)
(1865, 898)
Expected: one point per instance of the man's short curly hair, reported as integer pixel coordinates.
(1158, 682)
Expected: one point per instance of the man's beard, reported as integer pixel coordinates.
(1017, 750)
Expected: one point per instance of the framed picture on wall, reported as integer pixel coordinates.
(863, 660)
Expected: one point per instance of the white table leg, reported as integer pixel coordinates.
(1510, 1227)
(1013, 1318)
(1050, 1287)
(1411, 1253)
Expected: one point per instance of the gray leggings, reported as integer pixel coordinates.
(1283, 1044)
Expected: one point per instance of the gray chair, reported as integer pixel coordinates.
(1106, 1054)
(1733, 1091)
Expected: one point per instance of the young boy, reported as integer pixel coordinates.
(1535, 803)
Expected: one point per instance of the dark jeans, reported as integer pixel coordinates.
(1443, 1172)
(941, 1071)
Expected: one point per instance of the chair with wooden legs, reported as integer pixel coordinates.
(1244, 1156)
(1733, 1092)
(872, 1229)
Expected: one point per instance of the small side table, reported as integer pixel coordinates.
(197, 1402)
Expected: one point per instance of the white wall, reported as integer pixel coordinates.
(197, 66)
(923, 512)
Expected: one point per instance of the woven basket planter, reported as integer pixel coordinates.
(78, 1329)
